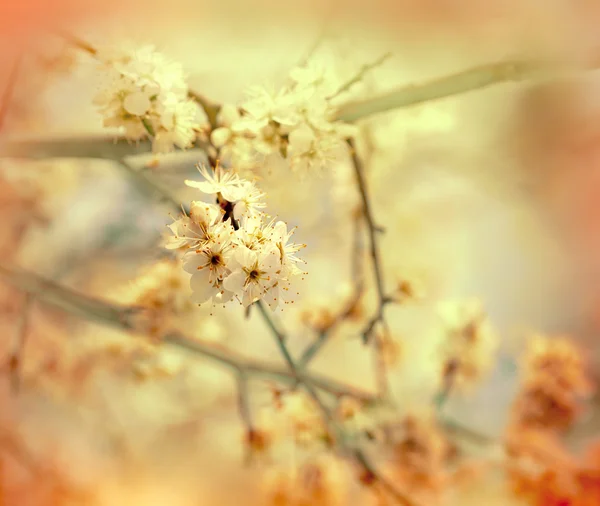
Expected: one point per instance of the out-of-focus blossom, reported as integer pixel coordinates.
(319, 481)
(294, 122)
(146, 95)
(554, 380)
(469, 343)
(420, 455)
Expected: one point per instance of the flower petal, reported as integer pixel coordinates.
(193, 260)
(235, 281)
(201, 287)
(136, 103)
(245, 257)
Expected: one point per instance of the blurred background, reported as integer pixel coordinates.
(491, 194)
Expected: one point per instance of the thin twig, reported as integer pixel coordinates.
(364, 70)
(243, 401)
(339, 437)
(279, 337)
(372, 230)
(77, 42)
(311, 351)
(334, 431)
(443, 395)
(129, 318)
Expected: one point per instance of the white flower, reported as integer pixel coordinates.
(179, 121)
(278, 234)
(137, 103)
(253, 273)
(228, 116)
(250, 233)
(249, 202)
(220, 181)
(197, 229)
(208, 266)
(469, 343)
(230, 139)
(264, 107)
(251, 261)
(316, 75)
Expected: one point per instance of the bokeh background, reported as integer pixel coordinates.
(493, 194)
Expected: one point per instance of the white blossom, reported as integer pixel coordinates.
(146, 95)
(208, 266)
(197, 229)
(253, 273)
(278, 234)
(469, 344)
(294, 122)
(240, 257)
(224, 182)
(250, 202)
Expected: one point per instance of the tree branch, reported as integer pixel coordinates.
(104, 147)
(128, 318)
(372, 229)
(337, 434)
(455, 84)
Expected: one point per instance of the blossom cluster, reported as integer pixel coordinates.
(470, 343)
(295, 122)
(553, 383)
(420, 453)
(230, 249)
(554, 380)
(146, 95)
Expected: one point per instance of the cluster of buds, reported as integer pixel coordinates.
(294, 122)
(146, 95)
(229, 248)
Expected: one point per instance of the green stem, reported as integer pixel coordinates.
(148, 126)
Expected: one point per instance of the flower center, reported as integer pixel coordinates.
(254, 274)
(216, 260)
